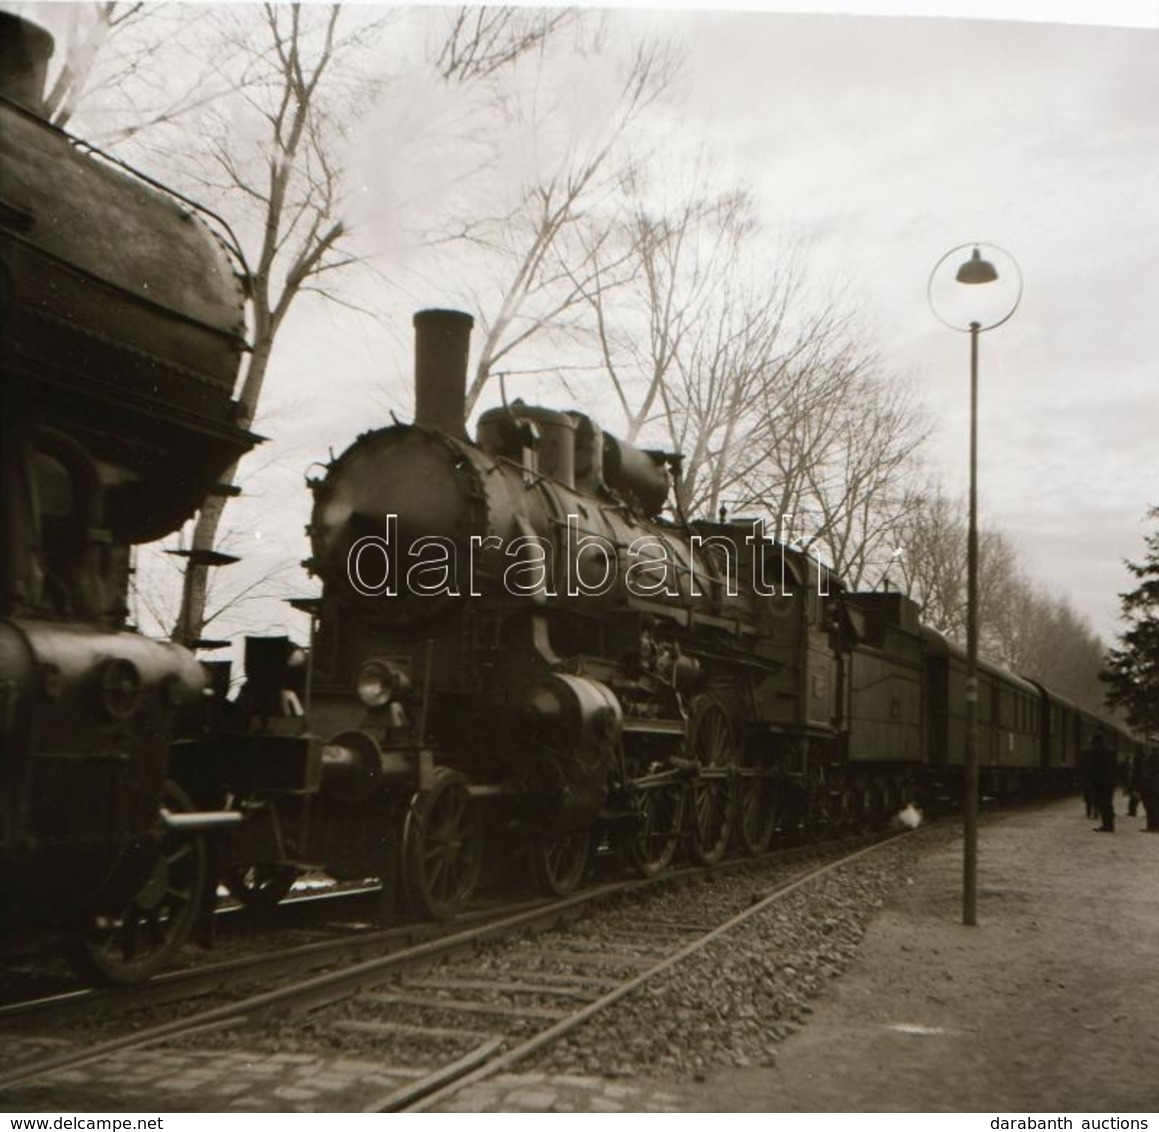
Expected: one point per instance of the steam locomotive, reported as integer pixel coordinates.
(121, 333)
(514, 649)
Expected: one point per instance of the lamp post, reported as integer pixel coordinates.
(978, 297)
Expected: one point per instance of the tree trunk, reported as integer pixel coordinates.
(190, 622)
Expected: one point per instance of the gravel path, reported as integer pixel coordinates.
(733, 1002)
(1051, 1003)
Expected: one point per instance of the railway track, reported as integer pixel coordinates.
(223, 977)
(36, 983)
(348, 939)
(440, 1013)
(646, 953)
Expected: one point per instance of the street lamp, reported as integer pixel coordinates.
(975, 298)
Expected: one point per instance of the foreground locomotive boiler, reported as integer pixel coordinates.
(121, 332)
(514, 649)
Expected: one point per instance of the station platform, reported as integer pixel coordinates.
(1048, 1004)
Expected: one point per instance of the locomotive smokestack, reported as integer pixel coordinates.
(442, 339)
(25, 49)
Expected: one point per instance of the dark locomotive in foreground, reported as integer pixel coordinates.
(516, 655)
(121, 333)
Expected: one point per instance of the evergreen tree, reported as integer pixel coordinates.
(1132, 671)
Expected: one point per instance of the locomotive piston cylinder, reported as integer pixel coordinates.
(355, 768)
(572, 725)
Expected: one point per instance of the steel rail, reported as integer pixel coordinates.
(420, 1095)
(206, 978)
(333, 986)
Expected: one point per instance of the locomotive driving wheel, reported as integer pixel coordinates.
(134, 943)
(558, 861)
(651, 846)
(442, 846)
(712, 797)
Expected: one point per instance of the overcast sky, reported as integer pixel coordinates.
(887, 141)
(901, 138)
(884, 141)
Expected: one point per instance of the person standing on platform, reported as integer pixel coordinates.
(1103, 767)
(1132, 769)
(1148, 783)
(1086, 782)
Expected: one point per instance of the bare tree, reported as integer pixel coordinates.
(765, 389)
(287, 184)
(301, 91)
(125, 67)
(263, 97)
(541, 246)
(695, 346)
(1057, 646)
(932, 562)
(859, 486)
(654, 303)
(479, 43)
(933, 571)
(80, 51)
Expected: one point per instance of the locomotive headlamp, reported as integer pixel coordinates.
(380, 681)
(373, 684)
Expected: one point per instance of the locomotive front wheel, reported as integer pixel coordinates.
(442, 846)
(133, 944)
(558, 861)
(261, 886)
(712, 795)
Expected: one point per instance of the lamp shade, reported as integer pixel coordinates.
(976, 270)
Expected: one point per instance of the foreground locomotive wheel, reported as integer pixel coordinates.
(558, 861)
(712, 796)
(442, 847)
(135, 943)
(651, 846)
(261, 886)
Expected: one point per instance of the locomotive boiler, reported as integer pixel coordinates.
(512, 642)
(121, 334)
